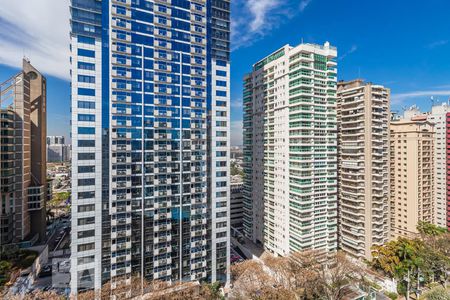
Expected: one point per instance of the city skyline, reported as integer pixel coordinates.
(224, 149)
(420, 47)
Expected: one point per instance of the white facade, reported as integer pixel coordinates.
(220, 166)
(86, 208)
(438, 117)
(290, 186)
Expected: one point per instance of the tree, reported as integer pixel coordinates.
(385, 258)
(415, 262)
(438, 293)
(301, 275)
(429, 229)
(137, 287)
(431, 233)
(235, 170)
(340, 273)
(5, 266)
(252, 281)
(38, 295)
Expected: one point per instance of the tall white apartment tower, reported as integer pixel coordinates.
(290, 150)
(439, 117)
(150, 130)
(363, 166)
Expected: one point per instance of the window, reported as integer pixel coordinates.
(220, 195)
(86, 130)
(221, 174)
(221, 234)
(221, 93)
(86, 221)
(221, 163)
(221, 214)
(86, 195)
(86, 259)
(221, 83)
(221, 123)
(86, 182)
(221, 73)
(221, 224)
(88, 28)
(86, 143)
(86, 53)
(221, 143)
(86, 118)
(86, 79)
(86, 104)
(221, 183)
(221, 133)
(86, 234)
(86, 169)
(221, 153)
(86, 92)
(86, 208)
(86, 156)
(86, 40)
(221, 63)
(221, 103)
(221, 204)
(221, 113)
(86, 247)
(86, 66)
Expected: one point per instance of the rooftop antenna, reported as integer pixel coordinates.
(432, 101)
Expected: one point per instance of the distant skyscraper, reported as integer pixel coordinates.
(57, 150)
(363, 159)
(150, 131)
(56, 140)
(439, 117)
(412, 173)
(290, 153)
(23, 172)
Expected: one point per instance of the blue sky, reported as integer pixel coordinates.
(402, 44)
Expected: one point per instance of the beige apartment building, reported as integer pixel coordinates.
(412, 174)
(363, 166)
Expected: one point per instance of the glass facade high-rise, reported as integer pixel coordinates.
(150, 132)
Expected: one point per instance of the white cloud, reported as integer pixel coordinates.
(353, 49)
(254, 19)
(437, 44)
(259, 10)
(237, 103)
(236, 133)
(304, 4)
(399, 98)
(38, 30)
